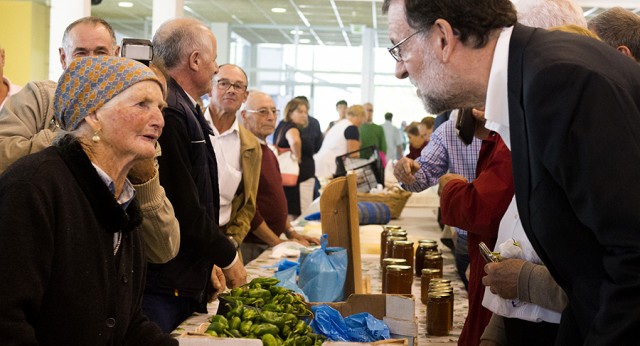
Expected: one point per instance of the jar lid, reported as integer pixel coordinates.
(398, 267)
(403, 242)
(391, 227)
(397, 232)
(427, 245)
(439, 295)
(441, 280)
(394, 238)
(427, 241)
(440, 288)
(430, 271)
(391, 261)
(433, 256)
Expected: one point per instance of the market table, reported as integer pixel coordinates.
(420, 223)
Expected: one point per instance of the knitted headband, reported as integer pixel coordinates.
(88, 83)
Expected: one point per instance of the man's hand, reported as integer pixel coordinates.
(405, 169)
(445, 179)
(502, 277)
(303, 239)
(236, 275)
(142, 171)
(218, 281)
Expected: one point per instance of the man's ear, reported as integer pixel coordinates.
(626, 51)
(63, 58)
(194, 60)
(447, 39)
(116, 52)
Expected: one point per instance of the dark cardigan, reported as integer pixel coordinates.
(62, 284)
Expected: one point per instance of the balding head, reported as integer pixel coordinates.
(260, 114)
(187, 50)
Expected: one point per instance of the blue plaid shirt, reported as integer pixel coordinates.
(445, 153)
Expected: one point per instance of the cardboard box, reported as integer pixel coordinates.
(397, 311)
(205, 340)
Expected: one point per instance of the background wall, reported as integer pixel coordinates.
(24, 35)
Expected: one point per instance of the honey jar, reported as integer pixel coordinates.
(386, 262)
(403, 249)
(425, 247)
(398, 279)
(438, 312)
(389, 245)
(427, 275)
(433, 261)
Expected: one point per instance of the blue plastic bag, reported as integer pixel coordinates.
(323, 273)
(362, 327)
(288, 278)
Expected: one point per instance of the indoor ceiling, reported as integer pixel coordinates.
(324, 22)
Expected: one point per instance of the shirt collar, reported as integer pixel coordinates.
(497, 105)
(128, 192)
(235, 127)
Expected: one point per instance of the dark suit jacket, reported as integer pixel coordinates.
(574, 108)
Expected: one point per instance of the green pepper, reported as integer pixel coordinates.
(273, 318)
(237, 292)
(290, 319)
(269, 340)
(299, 329)
(275, 290)
(258, 302)
(264, 328)
(259, 293)
(212, 333)
(235, 310)
(235, 322)
(288, 299)
(245, 327)
(285, 331)
(249, 314)
(272, 307)
(218, 327)
(219, 318)
(263, 282)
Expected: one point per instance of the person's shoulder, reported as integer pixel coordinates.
(30, 168)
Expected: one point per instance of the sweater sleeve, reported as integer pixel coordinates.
(537, 286)
(494, 331)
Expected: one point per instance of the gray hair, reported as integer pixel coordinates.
(66, 43)
(176, 39)
(618, 27)
(550, 13)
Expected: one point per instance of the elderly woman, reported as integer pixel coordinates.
(287, 136)
(343, 137)
(71, 253)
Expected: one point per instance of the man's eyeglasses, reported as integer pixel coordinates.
(395, 50)
(265, 111)
(224, 85)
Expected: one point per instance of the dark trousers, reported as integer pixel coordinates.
(524, 333)
(168, 311)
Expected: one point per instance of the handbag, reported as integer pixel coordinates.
(289, 167)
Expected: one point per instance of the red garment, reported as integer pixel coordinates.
(414, 153)
(271, 203)
(478, 207)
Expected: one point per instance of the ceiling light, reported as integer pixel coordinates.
(299, 32)
(126, 4)
(278, 10)
(304, 40)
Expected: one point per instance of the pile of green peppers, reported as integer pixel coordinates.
(274, 319)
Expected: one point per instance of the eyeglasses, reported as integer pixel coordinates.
(265, 111)
(395, 50)
(224, 85)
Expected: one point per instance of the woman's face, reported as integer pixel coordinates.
(416, 141)
(130, 123)
(299, 116)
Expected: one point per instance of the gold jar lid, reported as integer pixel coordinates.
(395, 238)
(430, 271)
(440, 288)
(397, 233)
(427, 245)
(441, 280)
(398, 268)
(433, 256)
(439, 295)
(427, 241)
(393, 261)
(391, 227)
(403, 242)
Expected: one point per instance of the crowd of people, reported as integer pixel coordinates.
(127, 204)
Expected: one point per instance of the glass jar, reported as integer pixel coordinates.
(383, 238)
(386, 262)
(403, 249)
(390, 240)
(398, 279)
(433, 261)
(425, 278)
(449, 290)
(424, 247)
(438, 311)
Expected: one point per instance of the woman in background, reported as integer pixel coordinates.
(416, 141)
(343, 137)
(287, 136)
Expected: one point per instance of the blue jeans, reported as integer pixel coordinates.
(168, 311)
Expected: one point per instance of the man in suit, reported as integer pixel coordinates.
(553, 97)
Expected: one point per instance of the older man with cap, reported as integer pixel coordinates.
(188, 172)
(73, 261)
(572, 190)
